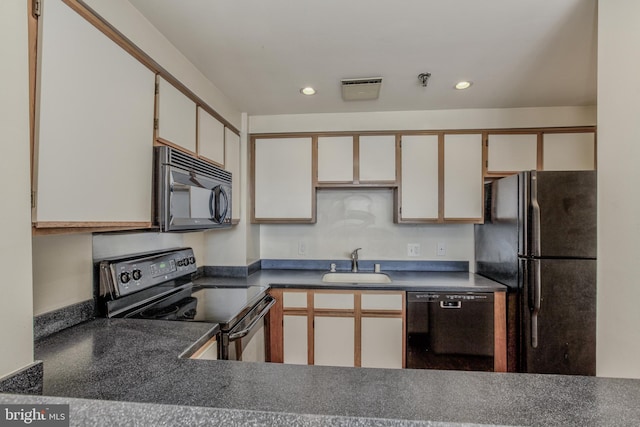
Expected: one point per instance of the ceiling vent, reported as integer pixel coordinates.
(361, 89)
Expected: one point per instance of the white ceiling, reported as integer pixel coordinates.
(518, 53)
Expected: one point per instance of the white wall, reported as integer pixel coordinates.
(618, 189)
(363, 219)
(424, 120)
(130, 22)
(16, 323)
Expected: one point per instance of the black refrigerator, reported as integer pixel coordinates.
(539, 239)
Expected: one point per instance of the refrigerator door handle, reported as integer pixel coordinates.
(535, 216)
(537, 298)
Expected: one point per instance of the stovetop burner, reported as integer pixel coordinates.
(185, 309)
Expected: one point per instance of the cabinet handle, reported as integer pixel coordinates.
(450, 304)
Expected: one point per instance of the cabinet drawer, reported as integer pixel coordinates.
(294, 299)
(339, 301)
(387, 301)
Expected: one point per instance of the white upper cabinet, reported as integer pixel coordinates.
(283, 185)
(335, 159)
(176, 117)
(569, 151)
(419, 177)
(377, 160)
(94, 129)
(211, 135)
(463, 182)
(512, 152)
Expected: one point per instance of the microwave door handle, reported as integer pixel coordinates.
(214, 204)
(244, 332)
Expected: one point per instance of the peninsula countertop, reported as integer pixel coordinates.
(136, 360)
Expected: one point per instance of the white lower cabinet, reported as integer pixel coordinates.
(341, 328)
(295, 346)
(334, 341)
(381, 342)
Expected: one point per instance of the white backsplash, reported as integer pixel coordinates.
(349, 219)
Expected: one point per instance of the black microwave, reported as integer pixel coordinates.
(189, 193)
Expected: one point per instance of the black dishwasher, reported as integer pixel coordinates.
(447, 330)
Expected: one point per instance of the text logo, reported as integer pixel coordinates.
(34, 415)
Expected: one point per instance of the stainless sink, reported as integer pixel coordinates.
(356, 278)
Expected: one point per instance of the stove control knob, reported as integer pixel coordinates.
(125, 277)
(179, 263)
(185, 262)
(192, 260)
(137, 274)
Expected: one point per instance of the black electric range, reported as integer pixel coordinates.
(158, 285)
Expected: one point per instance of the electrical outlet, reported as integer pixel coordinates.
(302, 248)
(413, 249)
(441, 249)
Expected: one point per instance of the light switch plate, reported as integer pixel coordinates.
(441, 249)
(302, 248)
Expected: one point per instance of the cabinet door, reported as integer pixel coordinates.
(334, 341)
(420, 177)
(512, 153)
(335, 159)
(232, 164)
(377, 158)
(382, 340)
(211, 133)
(569, 151)
(463, 176)
(209, 351)
(295, 336)
(283, 179)
(176, 117)
(93, 161)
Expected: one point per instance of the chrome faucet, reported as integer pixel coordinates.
(354, 260)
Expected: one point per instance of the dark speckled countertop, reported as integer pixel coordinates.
(401, 280)
(134, 360)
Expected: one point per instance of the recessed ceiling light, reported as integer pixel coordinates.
(462, 85)
(308, 90)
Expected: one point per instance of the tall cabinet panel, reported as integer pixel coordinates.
(463, 176)
(176, 117)
(420, 177)
(283, 187)
(94, 127)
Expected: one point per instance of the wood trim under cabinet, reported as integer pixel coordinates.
(274, 332)
(162, 141)
(500, 332)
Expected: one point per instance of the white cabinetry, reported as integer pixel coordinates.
(340, 328)
(420, 177)
(512, 152)
(381, 342)
(283, 180)
(176, 121)
(211, 133)
(335, 159)
(94, 130)
(377, 158)
(463, 185)
(569, 151)
(232, 164)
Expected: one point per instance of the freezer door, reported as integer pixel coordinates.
(559, 316)
(497, 240)
(562, 211)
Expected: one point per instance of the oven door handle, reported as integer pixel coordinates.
(244, 332)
